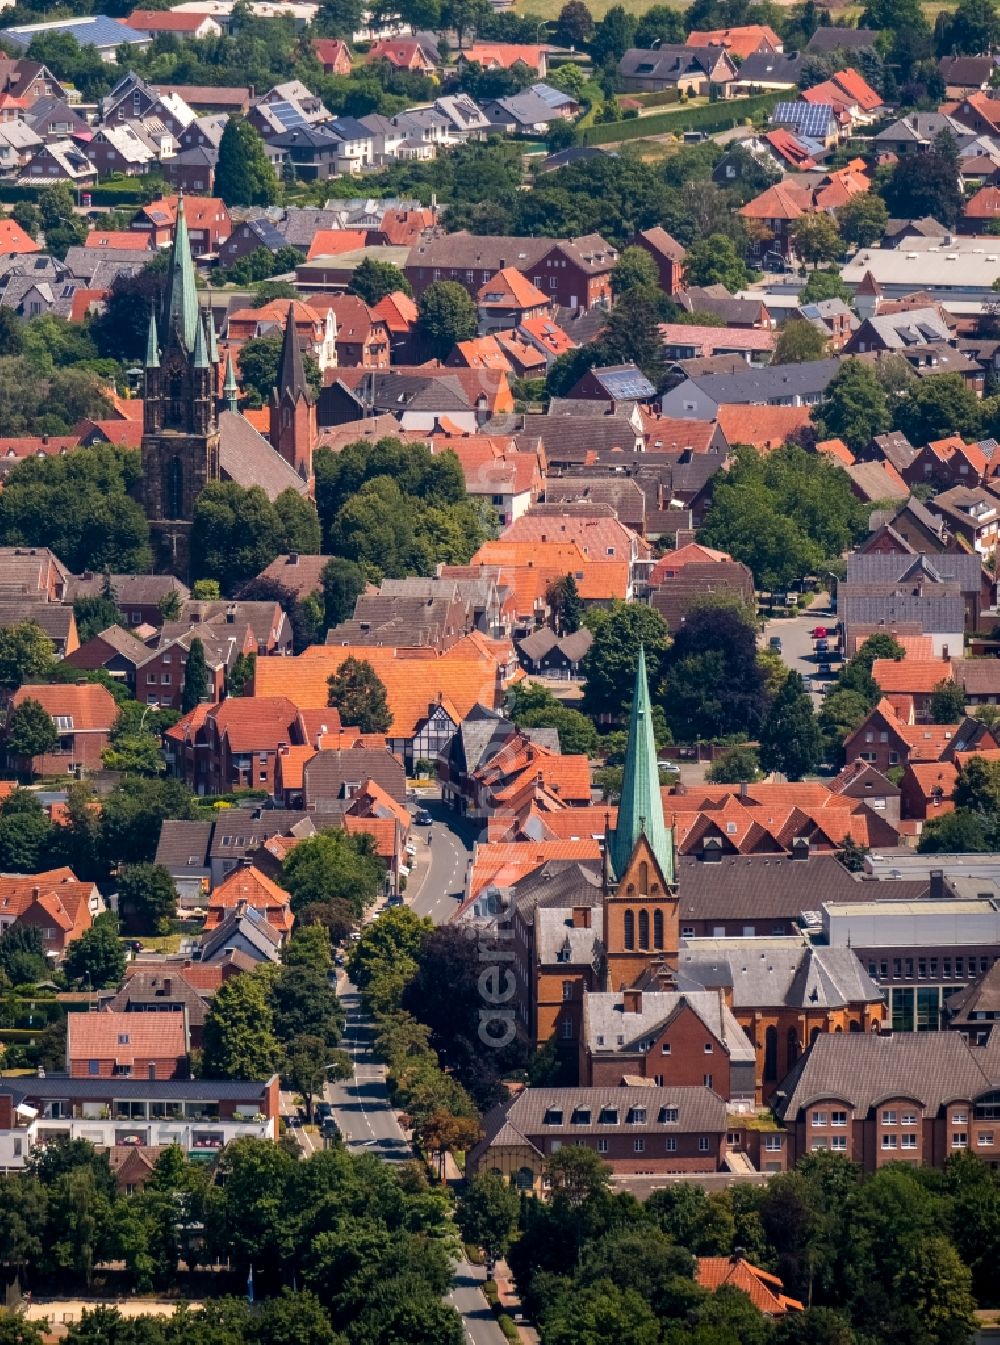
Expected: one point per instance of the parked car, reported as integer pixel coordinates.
(822, 646)
(775, 643)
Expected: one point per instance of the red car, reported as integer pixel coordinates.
(818, 632)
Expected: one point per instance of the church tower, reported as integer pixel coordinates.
(180, 439)
(293, 410)
(641, 906)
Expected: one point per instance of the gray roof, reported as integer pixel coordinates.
(55, 620)
(801, 977)
(771, 67)
(515, 1121)
(542, 641)
(140, 589)
(978, 676)
(559, 882)
(937, 613)
(608, 1029)
(771, 384)
(559, 942)
(897, 449)
(572, 438)
(247, 924)
(526, 109)
(762, 887)
(938, 567)
(912, 327)
(247, 458)
(865, 1068)
(918, 127)
(238, 830)
(194, 1090)
(846, 39)
(671, 60)
(326, 775)
(183, 845)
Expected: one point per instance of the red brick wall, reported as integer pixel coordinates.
(167, 1067)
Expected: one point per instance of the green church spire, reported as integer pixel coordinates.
(181, 310)
(152, 345)
(200, 346)
(230, 391)
(640, 810)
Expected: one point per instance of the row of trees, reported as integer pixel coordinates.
(369, 1246)
(899, 1257)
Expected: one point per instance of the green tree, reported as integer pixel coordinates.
(634, 267)
(98, 613)
(447, 315)
(196, 687)
(613, 36)
(863, 220)
(577, 734)
(714, 685)
(610, 663)
(299, 523)
(817, 238)
(97, 957)
(373, 280)
(333, 865)
(132, 815)
(936, 407)
(305, 1068)
(206, 590)
(947, 702)
(790, 738)
(79, 505)
(715, 261)
(235, 534)
(574, 24)
(147, 897)
(799, 342)
(955, 833)
(854, 408)
(26, 654)
(243, 175)
(563, 598)
(488, 1212)
(16, 1329)
(26, 835)
(972, 30)
(309, 947)
(928, 187)
(30, 730)
(977, 788)
(734, 766)
(358, 692)
(343, 583)
(239, 1040)
(392, 942)
(62, 227)
(825, 285)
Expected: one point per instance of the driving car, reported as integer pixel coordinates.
(424, 819)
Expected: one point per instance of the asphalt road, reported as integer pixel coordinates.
(368, 1124)
(443, 885)
(797, 648)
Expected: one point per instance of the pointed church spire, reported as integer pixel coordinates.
(213, 338)
(181, 308)
(230, 392)
(640, 809)
(291, 372)
(200, 346)
(152, 345)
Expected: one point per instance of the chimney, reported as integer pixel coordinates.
(800, 847)
(581, 917)
(744, 790)
(36, 892)
(168, 985)
(937, 885)
(231, 614)
(632, 1001)
(293, 558)
(685, 536)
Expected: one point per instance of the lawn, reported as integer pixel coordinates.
(549, 9)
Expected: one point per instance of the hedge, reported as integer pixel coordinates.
(709, 117)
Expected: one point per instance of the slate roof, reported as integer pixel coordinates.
(942, 567)
(605, 1020)
(183, 844)
(935, 612)
(247, 924)
(769, 384)
(837, 38)
(247, 458)
(865, 1068)
(775, 887)
(801, 977)
(699, 1109)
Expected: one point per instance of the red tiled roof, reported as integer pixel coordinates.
(332, 242)
(764, 427)
(912, 676)
(88, 706)
(148, 1036)
(765, 1291)
(13, 239)
(742, 41)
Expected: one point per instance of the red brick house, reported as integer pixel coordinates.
(83, 716)
(55, 902)
(927, 788)
(668, 255)
(885, 739)
(570, 272)
(247, 886)
(333, 55)
(944, 463)
(208, 220)
(111, 1045)
(235, 745)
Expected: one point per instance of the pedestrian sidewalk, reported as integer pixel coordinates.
(510, 1302)
(419, 870)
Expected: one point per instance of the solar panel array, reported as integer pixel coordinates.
(811, 119)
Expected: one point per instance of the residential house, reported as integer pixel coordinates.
(116, 651)
(679, 581)
(245, 934)
(333, 54)
(140, 598)
(110, 1045)
(207, 218)
(524, 113)
(245, 887)
(96, 30)
(668, 255)
(796, 385)
(574, 273)
(505, 55)
(59, 161)
(744, 41)
(56, 903)
(915, 678)
(160, 989)
(180, 22)
(926, 572)
(815, 123)
(971, 514)
(402, 53)
(776, 211)
(634, 1130)
(684, 341)
(765, 1291)
(83, 717)
(963, 75)
(547, 654)
(694, 71)
(507, 300)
